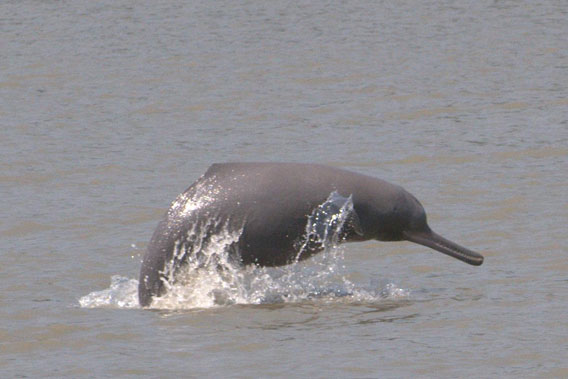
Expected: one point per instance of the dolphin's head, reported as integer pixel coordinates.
(415, 228)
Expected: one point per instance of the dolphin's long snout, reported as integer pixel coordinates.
(439, 243)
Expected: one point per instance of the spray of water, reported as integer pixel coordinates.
(203, 272)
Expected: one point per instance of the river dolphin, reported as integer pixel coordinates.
(270, 205)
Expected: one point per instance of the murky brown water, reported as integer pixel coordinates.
(109, 109)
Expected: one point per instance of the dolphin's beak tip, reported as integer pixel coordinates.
(480, 261)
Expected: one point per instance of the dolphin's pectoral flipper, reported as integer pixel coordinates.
(333, 220)
(344, 211)
(353, 224)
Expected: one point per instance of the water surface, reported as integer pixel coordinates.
(110, 109)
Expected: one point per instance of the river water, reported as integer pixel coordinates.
(110, 109)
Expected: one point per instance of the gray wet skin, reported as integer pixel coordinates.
(268, 204)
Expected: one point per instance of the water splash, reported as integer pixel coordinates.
(204, 273)
(300, 282)
(122, 293)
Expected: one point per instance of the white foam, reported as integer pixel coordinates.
(206, 288)
(122, 293)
